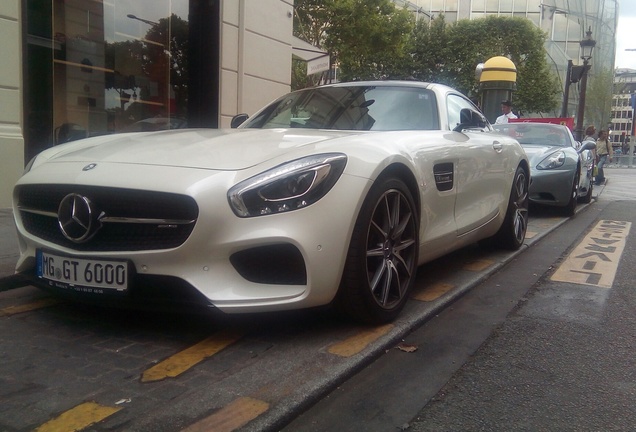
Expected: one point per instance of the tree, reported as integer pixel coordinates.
(598, 98)
(367, 39)
(450, 53)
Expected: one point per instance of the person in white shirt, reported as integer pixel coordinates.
(506, 109)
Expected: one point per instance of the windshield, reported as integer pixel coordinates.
(377, 108)
(537, 134)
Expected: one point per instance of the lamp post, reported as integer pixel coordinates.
(145, 21)
(587, 46)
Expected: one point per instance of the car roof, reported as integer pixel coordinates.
(383, 83)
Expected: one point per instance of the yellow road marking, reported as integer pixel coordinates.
(231, 417)
(433, 292)
(594, 261)
(78, 418)
(358, 342)
(478, 265)
(184, 360)
(14, 310)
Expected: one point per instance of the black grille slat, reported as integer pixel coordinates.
(117, 203)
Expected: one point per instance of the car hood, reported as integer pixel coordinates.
(218, 149)
(536, 153)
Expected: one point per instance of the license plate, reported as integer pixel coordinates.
(88, 275)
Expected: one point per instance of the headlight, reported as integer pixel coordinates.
(290, 186)
(555, 160)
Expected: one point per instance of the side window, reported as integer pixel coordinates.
(455, 104)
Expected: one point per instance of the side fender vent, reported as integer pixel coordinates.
(444, 176)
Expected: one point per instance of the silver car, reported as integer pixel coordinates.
(561, 168)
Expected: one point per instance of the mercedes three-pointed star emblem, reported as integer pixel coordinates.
(75, 216)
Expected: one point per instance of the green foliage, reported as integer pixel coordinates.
(373, 39)
(598, 97)
(450, 53)
(367, 39)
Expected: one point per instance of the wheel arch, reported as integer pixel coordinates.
(402, 172)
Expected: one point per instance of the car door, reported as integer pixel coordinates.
(480, 174)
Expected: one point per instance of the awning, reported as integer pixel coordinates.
(317, 59)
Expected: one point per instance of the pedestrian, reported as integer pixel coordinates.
(506, 109)
(590, 131)
(603, 155)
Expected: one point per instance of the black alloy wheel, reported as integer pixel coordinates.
(382, 257)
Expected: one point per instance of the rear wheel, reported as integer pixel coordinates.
(512, 232)
(382, 257)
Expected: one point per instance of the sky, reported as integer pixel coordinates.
(625, 35)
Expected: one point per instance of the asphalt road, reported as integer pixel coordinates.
(519, 352)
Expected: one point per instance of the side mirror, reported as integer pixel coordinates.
(587, 145)
(469, 119)
(238, 120)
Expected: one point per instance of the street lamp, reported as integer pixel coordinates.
(152, 23)
(587, 46)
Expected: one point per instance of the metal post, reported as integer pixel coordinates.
(566, 91)
(580, 115)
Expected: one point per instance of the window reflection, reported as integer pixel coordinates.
(119, 65)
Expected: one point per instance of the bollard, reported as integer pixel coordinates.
(497, 81)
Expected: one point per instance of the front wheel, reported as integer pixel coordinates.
(382, 257)
(590, 188)
(588, 196)
(570, 208)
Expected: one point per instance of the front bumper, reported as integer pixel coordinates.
(275, 262)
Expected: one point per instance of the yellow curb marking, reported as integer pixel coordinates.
(358, 342)
(231, 417)
(530, 234)
(177, 364)
(78, 418)
(594, 261)
(40, 304)
(433, 292)
(478, 265)
(547, 223)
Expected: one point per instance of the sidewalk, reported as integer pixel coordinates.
(8, 244)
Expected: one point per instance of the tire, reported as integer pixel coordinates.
(382, 257)
(512, 232)
(570, 208)
(588, 196)
(590, 190)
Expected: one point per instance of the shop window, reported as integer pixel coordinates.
(107, 66)
(118, 63)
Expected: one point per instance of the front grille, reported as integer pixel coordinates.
(39, 205)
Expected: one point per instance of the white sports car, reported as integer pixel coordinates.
(331, 195)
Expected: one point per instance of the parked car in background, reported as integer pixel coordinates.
(561, 168)
(331, 195)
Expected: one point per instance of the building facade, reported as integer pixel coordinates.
(564, 22)
(623, 109)
(79, 68)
